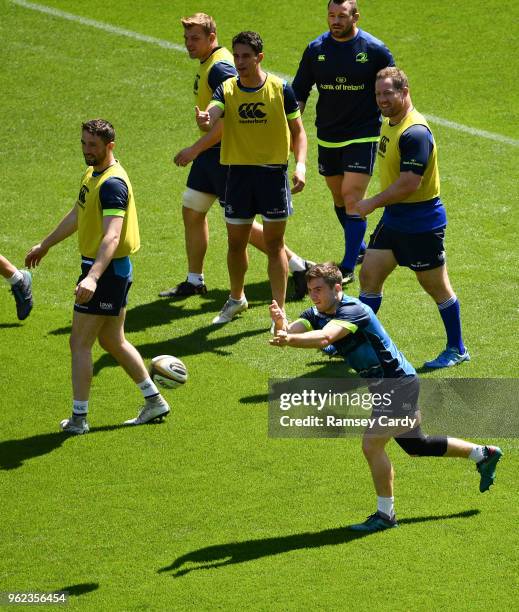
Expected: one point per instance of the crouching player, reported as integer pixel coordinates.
(352, 326)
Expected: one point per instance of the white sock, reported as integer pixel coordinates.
(15, 278)
(79, 408)
(296, 264)
(477, 454)
(195, 279)
(386, 505)
(240, 301)
(148, 388)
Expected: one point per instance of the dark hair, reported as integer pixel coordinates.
(353, 5)
(328, 271)
(252, 39)
(398, 77)
(100, 127)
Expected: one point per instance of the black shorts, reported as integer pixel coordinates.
(257, 190)
(207, 173)
(423, 251)
(355, 157)
(398, 397)
(112, 289)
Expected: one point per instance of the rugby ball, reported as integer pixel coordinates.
(168, 371)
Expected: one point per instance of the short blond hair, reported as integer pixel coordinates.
(206, 22)
(398, 77)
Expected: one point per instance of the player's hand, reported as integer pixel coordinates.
(280, 339)
(185, 157)
(35, 255)
(85, 290)
(277, 314)
(365, 207)
(202, 118)
(298, 180)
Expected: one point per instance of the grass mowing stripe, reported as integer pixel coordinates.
(99, 25)
(459, 127)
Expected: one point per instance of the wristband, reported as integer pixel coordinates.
(301, 167)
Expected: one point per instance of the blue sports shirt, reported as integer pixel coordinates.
(368, 349)
(344, 74)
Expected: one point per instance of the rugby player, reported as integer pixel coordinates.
(105, 219)
(412, 228)
(206, 180)
(343, 63)
(260, 116)
(354, 329)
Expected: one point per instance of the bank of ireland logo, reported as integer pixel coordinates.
(321, 58)
(362, 57)
(251, 110)
(341, 79)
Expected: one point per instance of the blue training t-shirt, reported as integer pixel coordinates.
(344, 74)
(368, 349)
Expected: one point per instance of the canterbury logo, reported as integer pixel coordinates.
(382, 145)
(251, 110)
(81, 200)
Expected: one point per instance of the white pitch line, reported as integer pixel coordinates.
(459, 127)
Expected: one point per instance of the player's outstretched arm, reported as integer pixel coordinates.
(317, 338)
(66, 227)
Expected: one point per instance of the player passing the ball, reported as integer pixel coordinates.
(350, 325)
(105, 220)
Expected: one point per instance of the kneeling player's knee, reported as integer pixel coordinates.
(418, 444)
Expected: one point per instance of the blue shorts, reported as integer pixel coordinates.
(207, 174)
(112, 289)
(422, 251)
(257, 190)
(355, 157)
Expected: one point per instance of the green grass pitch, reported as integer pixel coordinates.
(206, 512)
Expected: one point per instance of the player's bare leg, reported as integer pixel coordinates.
(273, 233)
(237, 257)
(112, 339)
(196, 232)
(85, 328)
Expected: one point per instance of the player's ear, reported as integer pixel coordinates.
(111, 145)
(212, 37)
(338, 287)
(260, 57)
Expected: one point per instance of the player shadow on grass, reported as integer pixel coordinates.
(75, 590)
(328, 369)
(13, 453)
(183, 346)
(166, 311)
(212, 557)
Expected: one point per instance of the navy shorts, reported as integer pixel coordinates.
(112, 289)
(398, 397)
(257, 190)
(207, 173)
(422, 251)
(356, 157)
